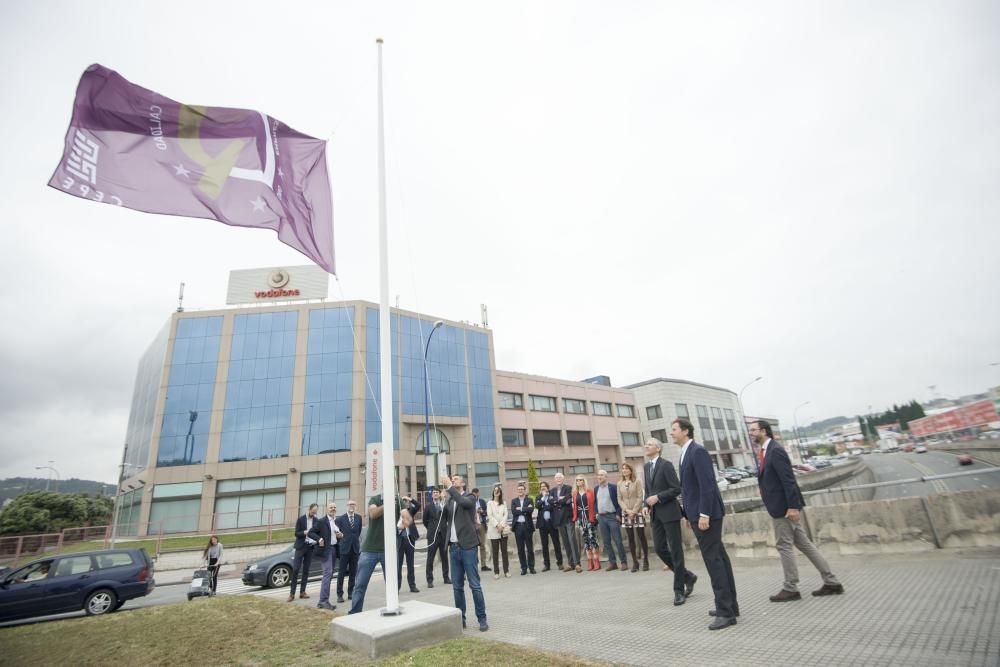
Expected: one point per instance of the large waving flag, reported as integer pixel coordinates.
(133, 147)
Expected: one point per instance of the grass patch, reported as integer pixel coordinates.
(237, 630)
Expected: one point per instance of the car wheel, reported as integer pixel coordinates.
(279, 576)
(101, 601)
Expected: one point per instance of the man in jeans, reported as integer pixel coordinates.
(463, 540)
(609, 515)
(372, 553)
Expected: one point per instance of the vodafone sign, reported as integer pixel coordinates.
(280, 283)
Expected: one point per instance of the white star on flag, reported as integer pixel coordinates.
(258, 204)
(181, 170)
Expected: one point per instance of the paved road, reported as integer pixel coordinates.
(903, 465)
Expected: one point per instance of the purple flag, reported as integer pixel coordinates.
(132, 147)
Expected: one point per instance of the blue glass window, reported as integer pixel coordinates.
(188, 406)
(484, 434)
(329, 381)
(256, 423)
(373, 396)
(448, 392)
(142, 415)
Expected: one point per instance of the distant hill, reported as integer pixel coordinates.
(12, 487)
(820, 427)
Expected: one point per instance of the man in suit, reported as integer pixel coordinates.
(663, 489)
(521, 511)
(406, 540)
(609, 516)
(306, 537)
(562, 519)
(784, 502)
(463, 540)
(481, 511)
(328, 550)
(703, 511)
(544, 506)
(350, 548)
(436, 538)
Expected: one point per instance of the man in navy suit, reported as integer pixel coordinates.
(609, 515)
(784, 502)
(350, 548)
(306, 538)
(521, 511)
(703, 512)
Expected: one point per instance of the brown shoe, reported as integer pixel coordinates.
(829, 589)
(786, 596)
(291, 598)
(303, 596)
(579, 569)
(565, 568)
(611, 566)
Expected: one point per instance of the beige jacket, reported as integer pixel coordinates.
(631, 495)
(496, 518)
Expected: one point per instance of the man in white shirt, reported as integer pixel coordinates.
(329, 534)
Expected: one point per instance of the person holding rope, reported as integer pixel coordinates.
(437, 540)
(406, 542)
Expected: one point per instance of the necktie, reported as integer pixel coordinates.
(350, 519)
(762, 458)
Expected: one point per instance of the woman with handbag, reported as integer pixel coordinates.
(497, 530)
(630, 497)
(585, 516)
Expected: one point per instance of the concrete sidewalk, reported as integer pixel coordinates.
(931, 608)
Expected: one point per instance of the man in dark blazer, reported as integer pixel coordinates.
(663, 489)
(306, 538)
(350, 548)
(463, 542)
(521, 511)
(703, 511)
(437, 541)
(544, 505)
(328, 551)
(562, 520)
(784, 502)
(406, 540)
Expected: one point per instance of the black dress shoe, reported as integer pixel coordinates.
(712, 612)
(786, 596)
(722, 622)
(414, 589)
(689, 584)
(532, 572)
(679, 599)
(447, 580)
(829, 589)
(546, 568)
(430, 584)
(463, 624)
(340, 598)
(524, 572)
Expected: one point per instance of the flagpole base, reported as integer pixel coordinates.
(385, 611)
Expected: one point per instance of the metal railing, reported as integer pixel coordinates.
(909, 480)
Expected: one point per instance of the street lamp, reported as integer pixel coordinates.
(795, 420)
(192, 417)
(49, 478)
(431, 472)
(743, 415)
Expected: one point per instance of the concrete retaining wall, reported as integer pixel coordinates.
(191, 560)
(987, 451)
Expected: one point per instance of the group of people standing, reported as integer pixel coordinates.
(459, 524)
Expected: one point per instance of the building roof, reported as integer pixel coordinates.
(678, 381)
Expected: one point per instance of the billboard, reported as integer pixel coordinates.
(278, 283)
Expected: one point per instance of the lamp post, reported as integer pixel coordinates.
(192, 417)
(430, 465)
(49, 478)
(743, 416)
(798, 434)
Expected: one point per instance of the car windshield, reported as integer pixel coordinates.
(32, 572)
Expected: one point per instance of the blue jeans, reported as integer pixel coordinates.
(611, 535)
(366, 566)
(464, 562)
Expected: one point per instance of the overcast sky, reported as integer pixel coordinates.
(710, 191)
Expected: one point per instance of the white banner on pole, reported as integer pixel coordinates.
(373, 470)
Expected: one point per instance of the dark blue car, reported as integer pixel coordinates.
(98, 582)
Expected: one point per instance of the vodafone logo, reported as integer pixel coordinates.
(277, 281)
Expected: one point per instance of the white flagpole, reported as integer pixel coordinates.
(385, 371)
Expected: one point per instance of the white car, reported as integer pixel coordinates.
(920, 449)
(721, 481)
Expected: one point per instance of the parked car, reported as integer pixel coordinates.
(989, 435)
(908, 447)
(722, 482)
(802, 467)
(97, 582)
(920, 449)
(276, 571)
(744, 474)
(964, 460)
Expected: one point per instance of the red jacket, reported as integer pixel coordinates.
(591, 506)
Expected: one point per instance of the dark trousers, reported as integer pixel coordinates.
(669, 546)
(554, 534)
(405, 549)
(439, 548)
(300, 566)
(213, 567)
(349, 567)
(525, 547)
(499, 546)
(719, 568)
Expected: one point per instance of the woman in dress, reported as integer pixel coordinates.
(585, 516)
(630, 497)
(497, 530)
